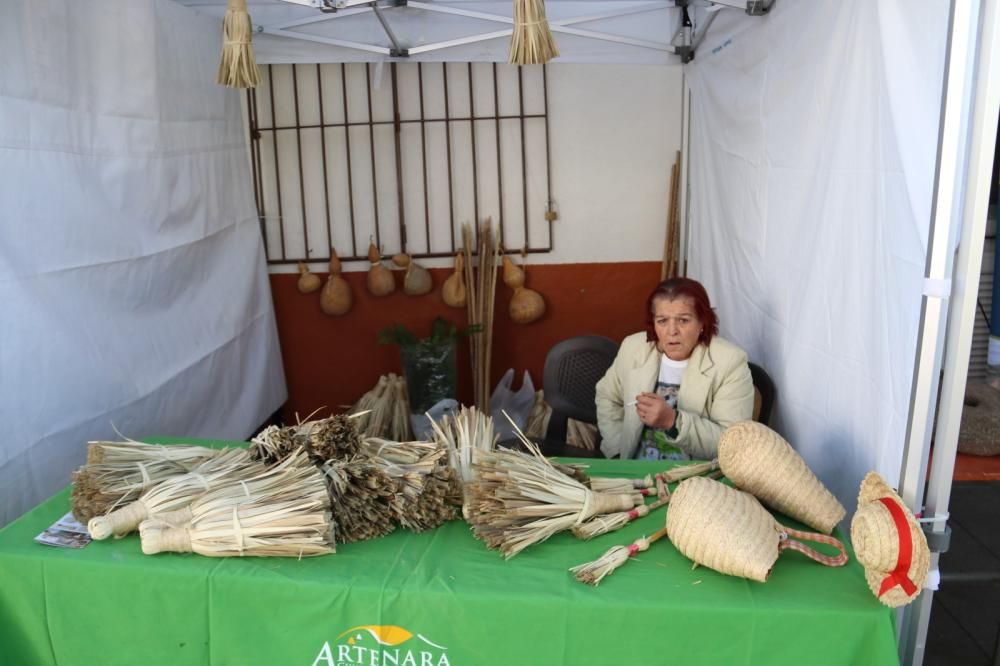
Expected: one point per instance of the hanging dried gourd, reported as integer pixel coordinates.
(380, 280)
(308, 282)
(453, 290)
(526, 305)
(336, 298)
(417, 281)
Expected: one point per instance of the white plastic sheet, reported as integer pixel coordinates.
(132, 272)
(814, 135)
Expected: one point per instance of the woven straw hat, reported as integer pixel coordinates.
(760, 461)
(889, 543)
(728, 530)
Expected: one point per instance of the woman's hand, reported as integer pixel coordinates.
(654, 411)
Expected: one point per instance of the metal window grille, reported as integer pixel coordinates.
(344, 154)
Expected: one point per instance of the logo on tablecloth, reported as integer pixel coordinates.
(381, 645)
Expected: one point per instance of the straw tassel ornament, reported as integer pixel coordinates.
(600, 525)
(592, 573)
(175, 493)
(237, 67)
(531, 42)
(759, 460)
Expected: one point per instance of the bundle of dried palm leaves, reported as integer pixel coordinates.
(606, 484)
(187, 456)
(592, 573)
(282, 512)
(519, 499)
(682, 472)
(599, 525)
(100, 488)
(176, 492)
(460, 434)
(425, 481)
(384, 411)
(333, 438)
(361, 493)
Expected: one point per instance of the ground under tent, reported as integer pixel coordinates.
(832, 156)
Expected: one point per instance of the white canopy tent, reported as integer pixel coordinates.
(829, 175)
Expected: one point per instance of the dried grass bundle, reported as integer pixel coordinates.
(272, 445)
(361, 493)
(364, 409)
(519, 499)
(599, 525)
(384, 411)
(237, 67)
(283, 512)
(460, 434)
(424, 480)
(100, 488)
(188, 456)
(482, 285)
(334, 438)
(532, 42)
(592, 573)
(175, 492)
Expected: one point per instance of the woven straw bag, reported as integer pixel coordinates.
(728, 530)
(889, 544)
(758, 460)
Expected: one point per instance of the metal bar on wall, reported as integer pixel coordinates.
(472, 133)
(447, 137)
(277, 171)
(399, 159)
(298, 147)
(347, 148)
(423, 155)
(371, 144)
(524, 154)
(496, 126)
(322, 145)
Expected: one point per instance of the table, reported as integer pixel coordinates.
(434, 599)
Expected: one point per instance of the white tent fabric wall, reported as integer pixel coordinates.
(814, 137)
(131, 266)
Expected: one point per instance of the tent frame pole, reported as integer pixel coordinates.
(978, 53)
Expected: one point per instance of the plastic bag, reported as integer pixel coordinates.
(517, 404)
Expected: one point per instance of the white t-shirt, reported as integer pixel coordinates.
(654, 443)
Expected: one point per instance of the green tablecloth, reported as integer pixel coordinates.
(432, 599)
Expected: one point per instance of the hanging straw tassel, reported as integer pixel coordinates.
(175, 492)
(592, 573)
(531, 42)
(237, 68)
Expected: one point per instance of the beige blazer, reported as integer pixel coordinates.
(716, 391)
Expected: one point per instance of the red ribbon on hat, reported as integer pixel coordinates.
(898, 575)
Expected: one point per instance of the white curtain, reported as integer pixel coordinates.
(132, 273)
(814, 136)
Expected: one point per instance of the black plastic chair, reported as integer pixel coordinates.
(764, 388)
(572, 369)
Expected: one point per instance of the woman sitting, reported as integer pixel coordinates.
(674, 388)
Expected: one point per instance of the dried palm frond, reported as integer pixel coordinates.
(462, 432)
(599, 525)
(272, 444)
(424, 480)
(100, 488)
(188, 456)
(282, 512)
(610, 484)
(520, 499)
(175, 492)
(592, 573)
(361, 493)
(334, 438)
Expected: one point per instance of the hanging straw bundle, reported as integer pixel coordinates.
(519, 499)
(531, 42)
(237, 67)
(283, 512)
(592, 573)
(187, 456)
(100, 488)
(361, 493)
(175, 492)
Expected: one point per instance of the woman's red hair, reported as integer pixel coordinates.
(681, 287)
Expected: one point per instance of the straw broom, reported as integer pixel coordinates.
(100, 488)
(610, 484)
(424, 481)
(599, 525)
(175, 492)
(518, 499)
(682, 472)
(188, 456)
(592, 573)
(237, 67)
(361, 493)
(531, 42)
(284, 512)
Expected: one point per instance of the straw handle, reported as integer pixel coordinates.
(788, 542)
